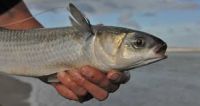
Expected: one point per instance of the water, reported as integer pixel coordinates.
(171, 82)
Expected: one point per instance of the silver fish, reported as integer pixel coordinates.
(46, 51)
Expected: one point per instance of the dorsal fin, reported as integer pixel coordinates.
(79, 19)
(74, 23)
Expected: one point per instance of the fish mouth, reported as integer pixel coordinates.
(161, 49)
(155, 59)
(159, 55)
(146, 62)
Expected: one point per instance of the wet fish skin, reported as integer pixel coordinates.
(46, 51)
(38, 52)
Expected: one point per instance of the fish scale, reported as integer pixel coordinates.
(46, 49)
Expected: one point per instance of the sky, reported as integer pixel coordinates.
(175, 21)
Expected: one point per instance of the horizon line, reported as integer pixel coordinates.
(183, 49)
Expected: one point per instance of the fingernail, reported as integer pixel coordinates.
(115, 77)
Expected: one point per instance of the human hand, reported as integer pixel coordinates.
(84, 84)
(80, 85)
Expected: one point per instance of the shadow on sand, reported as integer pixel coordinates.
(14, 92)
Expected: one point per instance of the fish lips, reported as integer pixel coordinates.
(161, 49)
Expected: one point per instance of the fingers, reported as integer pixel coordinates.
(92, 74)
(75, 84)
(70, 84)
(65, 92)
(88, 82)
(99, 78)
(97, 92)
(118, 77)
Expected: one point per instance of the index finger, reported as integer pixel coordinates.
(98, 77)
(94, 90)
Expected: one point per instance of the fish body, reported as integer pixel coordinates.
(46, 51)
(39, 52)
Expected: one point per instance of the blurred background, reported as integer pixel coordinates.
(176, 21)
(171, 82)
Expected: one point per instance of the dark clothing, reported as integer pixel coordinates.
(6, 5)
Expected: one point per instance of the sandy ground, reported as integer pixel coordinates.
(172, 82)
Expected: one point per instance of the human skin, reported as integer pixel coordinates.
(79, 85)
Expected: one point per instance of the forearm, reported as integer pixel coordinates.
(95, 83)
(11, 17)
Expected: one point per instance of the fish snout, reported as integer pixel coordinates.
(161, 48)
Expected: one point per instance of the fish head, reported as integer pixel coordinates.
(128, 49)
(116, 47)
(139, 48)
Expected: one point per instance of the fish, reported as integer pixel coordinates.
(43, 52)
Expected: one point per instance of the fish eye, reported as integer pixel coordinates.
(138, 43)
